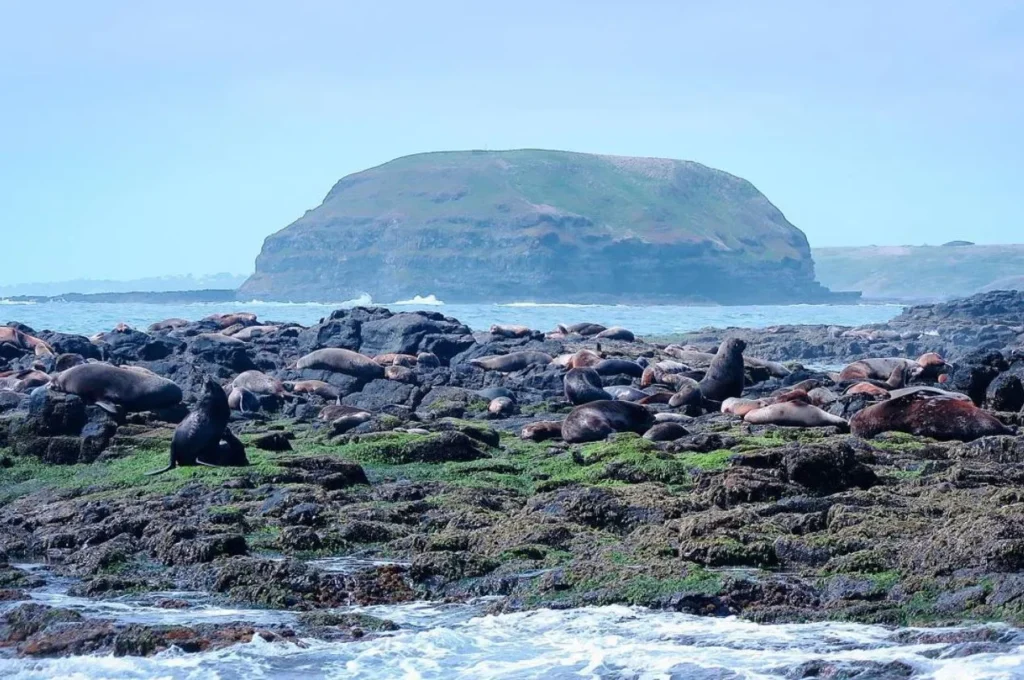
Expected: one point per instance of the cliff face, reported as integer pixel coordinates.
(482, 226)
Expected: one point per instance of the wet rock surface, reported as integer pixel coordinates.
(434, 496)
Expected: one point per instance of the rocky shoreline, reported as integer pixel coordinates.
(436, 496)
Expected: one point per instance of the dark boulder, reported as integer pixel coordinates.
(826, 468)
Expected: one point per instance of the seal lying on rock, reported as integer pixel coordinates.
(242, 400)
(12, 336)
(110, 386)
(510, 331)
(258, 382)
(583, 385)
(927, 367)
(927, 415)
(595, 421)
(795, 413)
(513, 361)
(541, 430)
(617, 333)
(725, 376)
(619, 367)
(197, 439)
(625, 393)
(317, 387)
(338, 360)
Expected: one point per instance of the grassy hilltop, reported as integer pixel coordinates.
(544, 225)
(921, 272)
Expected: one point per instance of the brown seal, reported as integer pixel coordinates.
(12, 336)
(617, 333)
(585, 358)
(226, 320)
(501, 407)
(927, 367)
(400, 374)
(317, 387)
(598, 419)
(109, 386)
(927, 415)
(583, 385)
(541, 430)
(793, 413)
(258, 382)
(510, 331)
(339, 360)
(167, 325)
(514, 361)
(726, 375)
(395, 359)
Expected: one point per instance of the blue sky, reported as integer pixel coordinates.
(151, 138)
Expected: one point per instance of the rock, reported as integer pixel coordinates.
(272, 441)
(379, 393)
(1005, 392)
(826, 468)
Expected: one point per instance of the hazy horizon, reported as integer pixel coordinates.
(163, 139)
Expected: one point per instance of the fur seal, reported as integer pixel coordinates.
(796, 413)
(317, 387)
(12, 336)
(347, 422)
(541, 430)
(247, 333)
(595, 421)
(23, 381)
(585, 358)
(617, 333)
(400, 374)
(821, 396)
(490, 393)
(107, 385)
(226, 320)
(514, 361)
(258, 382)
(510, 331)
(625, 393)
(197, 438)
(738, 406)
(665, 432)
(65, 361)
(725, 376)
(619, 367)
(427, 360)
(927, 366)
(241, 399)
(583, 385)
(395, 359)
(167, 325)
(583, 328)
(688, 395)
(656, 373)
(501, 407)
(924, 389)
(927, 415)
(335, 411)
(339, 360)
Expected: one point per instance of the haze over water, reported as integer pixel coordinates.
(650, 320)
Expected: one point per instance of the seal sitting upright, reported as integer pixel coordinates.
(197, 439)
(725, 376)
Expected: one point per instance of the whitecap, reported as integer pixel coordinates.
(420, 300)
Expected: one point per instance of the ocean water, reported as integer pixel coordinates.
(459, 641)
(89, 318)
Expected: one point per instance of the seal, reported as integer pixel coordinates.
(501, 407)
(247, 333)
(625, 393)
(541, 430)
(821, 396)
(23, 381)
(795, 413)
(400, 374)
(196, 440)
(617, 333)
(688, 396)
(726, 375)
(241, 399)
(927, 367)
(510, 331)
(258, 382)
(927, 415)
(110, 386)
(583, 385)
(928, 391)
(595, 421)
(585, 358)
(619, 367)
(868, 388)
(490, 393)
(395, 359)
(227, 320)
(584, 328)
(317, 387)
(167, 325)
(339, 360)
(738, 406)
(65, 361)
(334, 411)
(24, 341)
(656, 373)
(428, 360)
(665, 432)
(514, 361)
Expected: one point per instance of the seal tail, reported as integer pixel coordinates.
(170, 466)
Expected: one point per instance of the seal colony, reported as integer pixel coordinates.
(736, 471)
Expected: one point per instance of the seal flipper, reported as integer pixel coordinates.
(109, 407)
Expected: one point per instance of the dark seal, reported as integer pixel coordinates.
(725, 375)
(595, 421)
(583, 385)
(197, 439)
